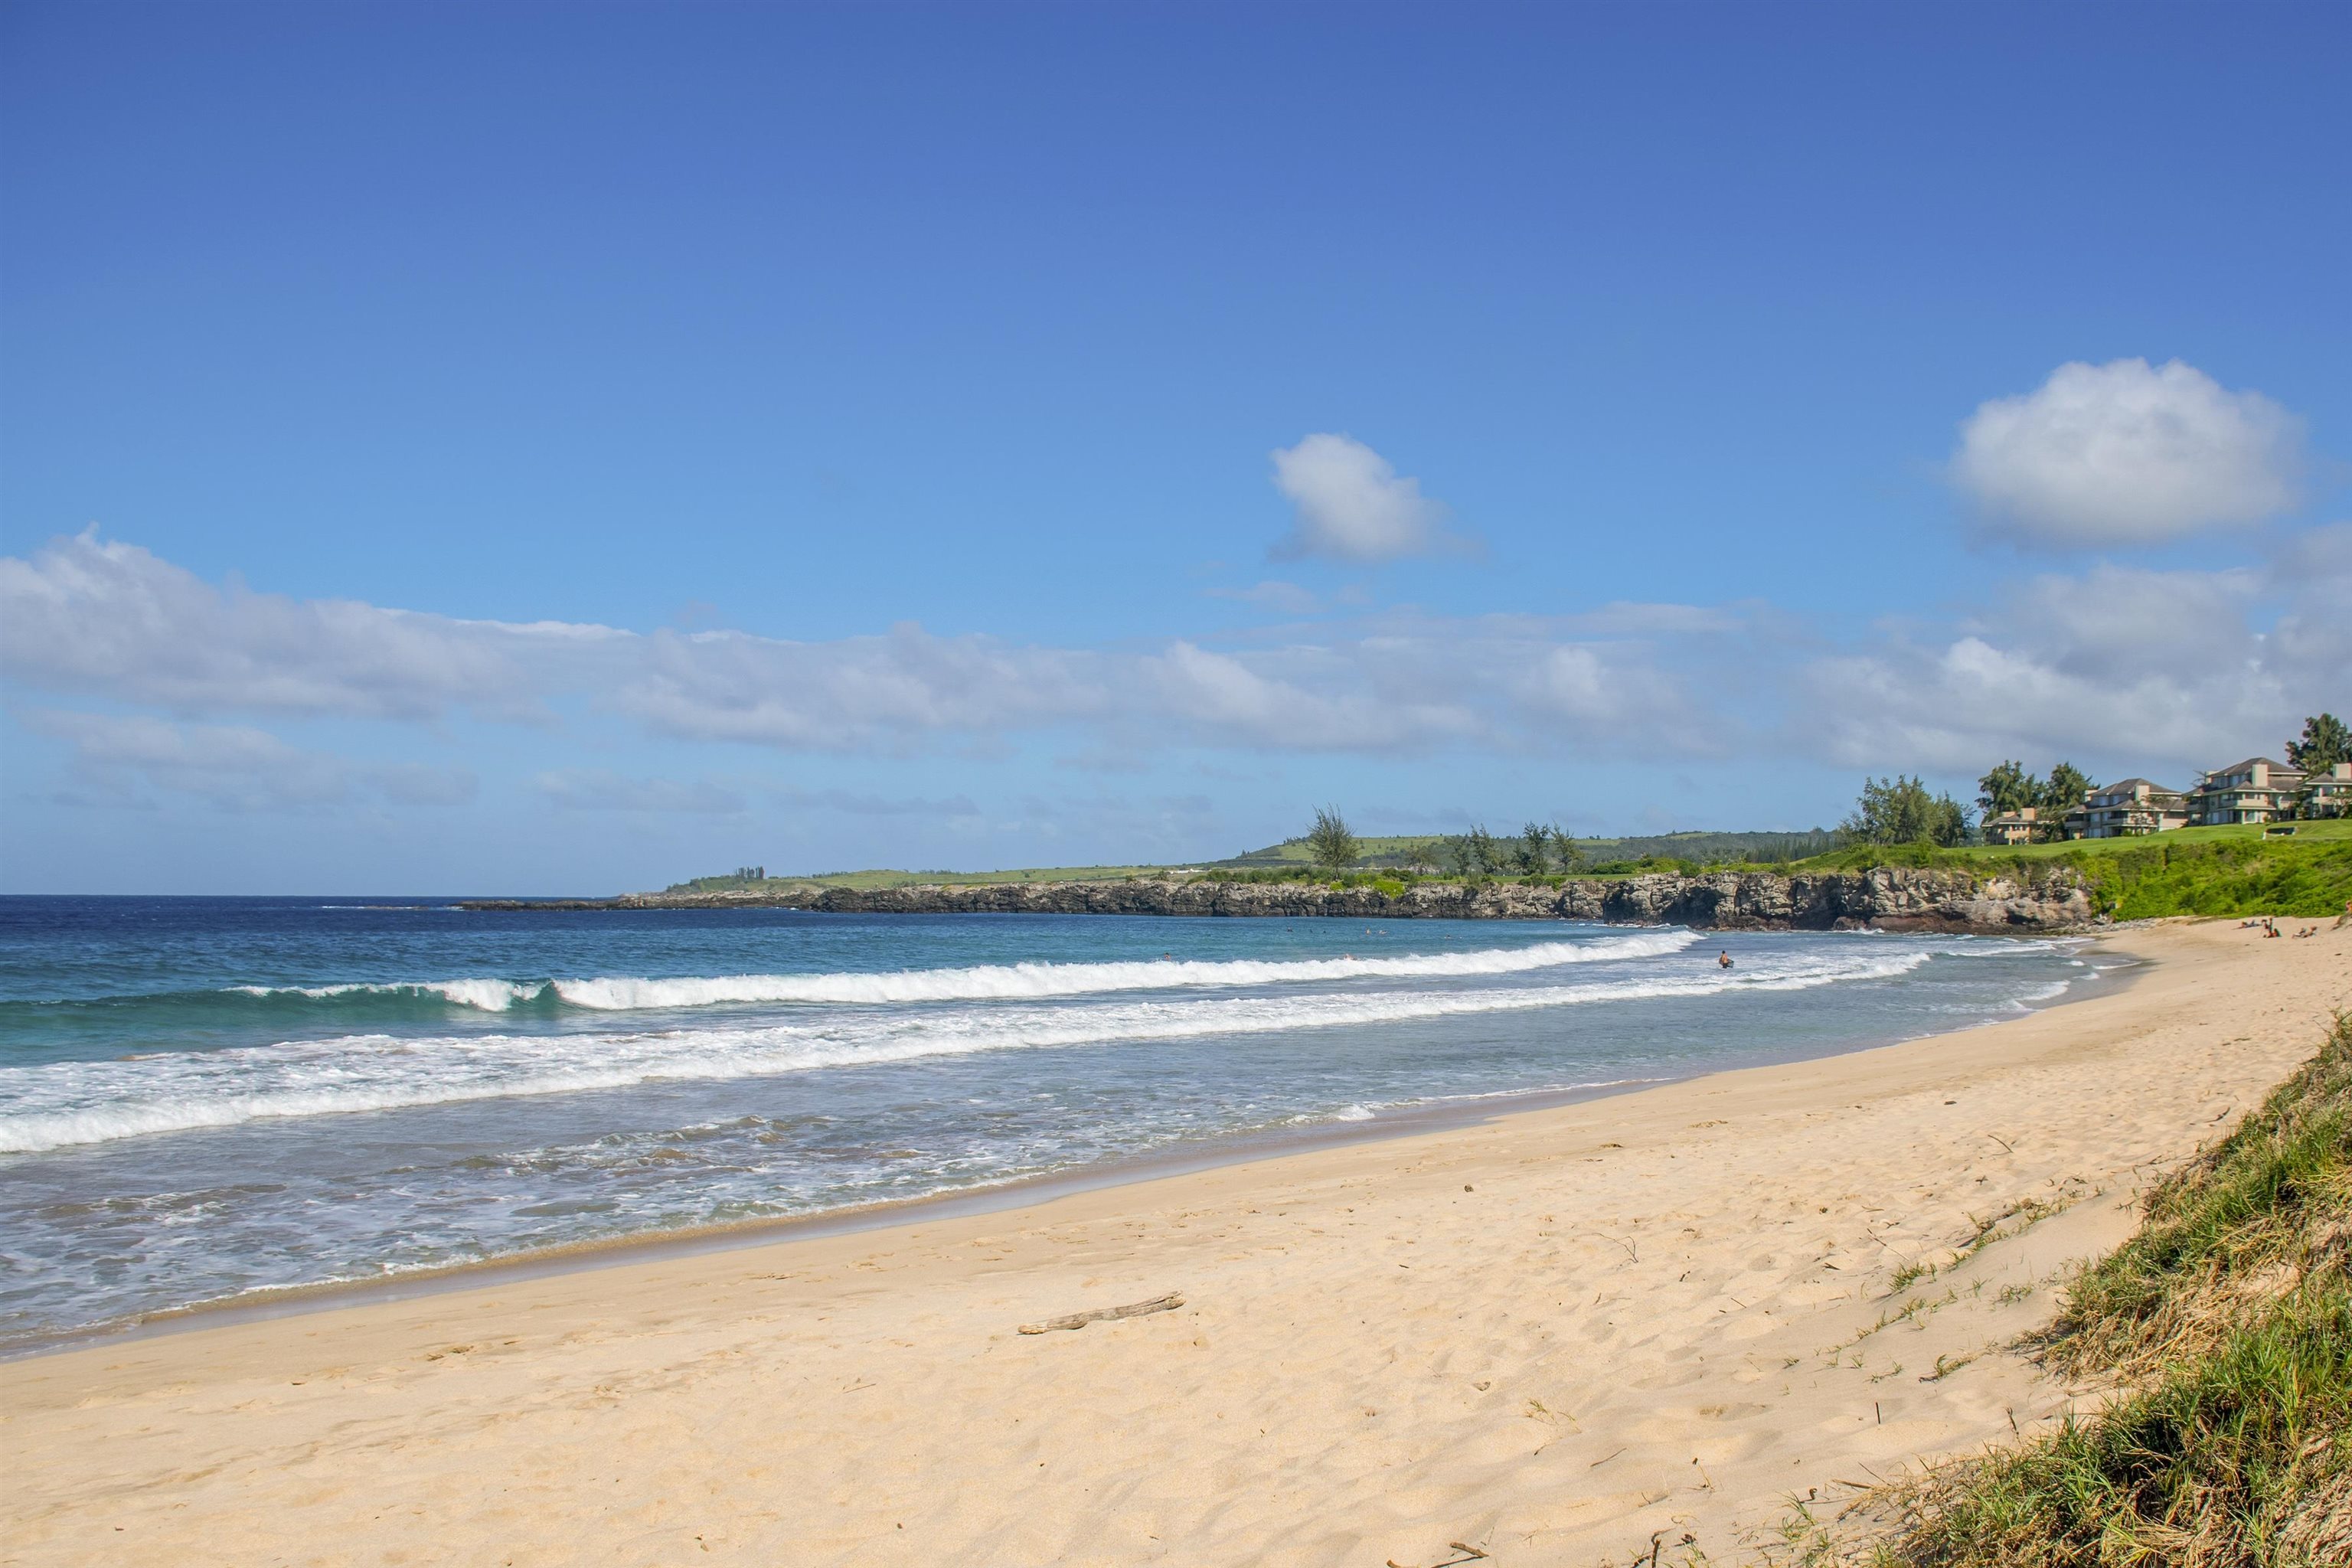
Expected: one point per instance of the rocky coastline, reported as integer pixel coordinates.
(1881, 898)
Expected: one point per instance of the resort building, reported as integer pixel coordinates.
(2256, 789)
(2328, 793)
(2131, 807)
(2010, 826)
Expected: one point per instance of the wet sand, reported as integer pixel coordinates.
(1549, 1335)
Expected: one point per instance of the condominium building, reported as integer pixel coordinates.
(2256, 790)
(2328, 793)
(2011, 826)
(2131, 807)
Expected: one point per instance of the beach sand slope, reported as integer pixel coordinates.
(1556, 1337)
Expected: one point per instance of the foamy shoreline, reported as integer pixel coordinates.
(1547, 1333)
(1240, 1148)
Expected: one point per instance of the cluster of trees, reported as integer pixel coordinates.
(1895, 810)
(2009, 788)
(2326, 742)
(1899, 810)
(1535, 850)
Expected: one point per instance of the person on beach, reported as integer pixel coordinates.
(1723, 960)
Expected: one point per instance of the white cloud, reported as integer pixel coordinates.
(1351, 505)
(103, 616)
(230, 767)
(2153, 672)
(2127, 453)
(2123, 670)
(1588, 688)
(857, 694)
(111, 621)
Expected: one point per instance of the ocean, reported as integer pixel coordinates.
(205, 1098)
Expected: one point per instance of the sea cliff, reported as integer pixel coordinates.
(1881, 899)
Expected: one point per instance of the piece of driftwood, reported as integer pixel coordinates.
(1167, 1303)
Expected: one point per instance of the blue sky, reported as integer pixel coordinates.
(563, 448)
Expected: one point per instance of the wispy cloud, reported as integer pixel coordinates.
(112, 621)
(853, 803)
(599, 789)
(118, 759)
(2154, 669)
(1287, 598)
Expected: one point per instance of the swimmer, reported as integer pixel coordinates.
(1723, 960)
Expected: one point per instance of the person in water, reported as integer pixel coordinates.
(1723, 960)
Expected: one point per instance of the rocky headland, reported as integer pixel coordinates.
(1881, 898)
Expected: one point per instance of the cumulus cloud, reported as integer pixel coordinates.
(2128, 453)
(2163, 673)
(1351, 505)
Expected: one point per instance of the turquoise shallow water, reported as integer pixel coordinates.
(202, 1098)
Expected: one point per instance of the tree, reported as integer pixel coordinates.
(1533, 851)
(2008, 788)
(1331, 841)
(2067, 787)
(1899, 810)
(1571, 858)
(1481, 855)
(2326, 742)
(2061, 794)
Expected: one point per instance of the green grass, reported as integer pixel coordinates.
(1668, 851)
(2228, 1318)
(2221, 871)
(2336, 830)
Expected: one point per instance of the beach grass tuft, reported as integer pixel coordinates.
(2226, 1323)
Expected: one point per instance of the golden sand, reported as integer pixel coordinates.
(1550, 1336)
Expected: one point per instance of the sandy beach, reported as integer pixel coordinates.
(1552, 1337)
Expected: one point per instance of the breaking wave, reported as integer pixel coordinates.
(359, 1003)
(82, 1102)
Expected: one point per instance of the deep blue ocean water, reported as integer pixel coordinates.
(202, 1098)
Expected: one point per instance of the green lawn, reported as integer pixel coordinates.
(2339, 828)
(2223, 871)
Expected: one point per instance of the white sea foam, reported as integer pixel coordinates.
(64, 1103)
(990, 981)
(1025, 981)
(489, 995)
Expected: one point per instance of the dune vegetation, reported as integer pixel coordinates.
(2225, 1326)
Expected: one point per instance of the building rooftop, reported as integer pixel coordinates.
(2246, 765)
(2125, 787)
